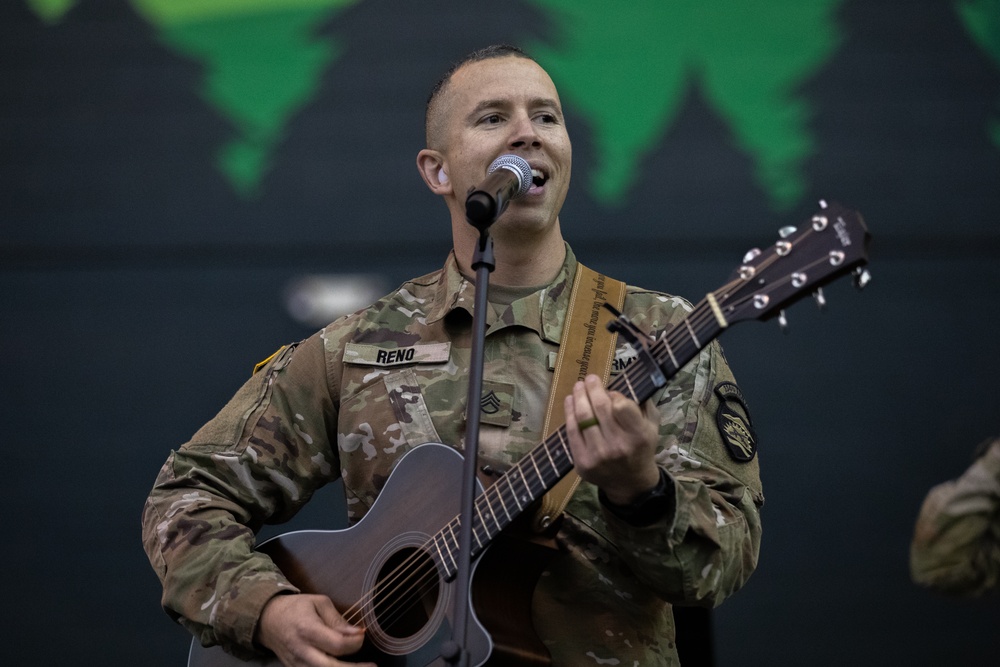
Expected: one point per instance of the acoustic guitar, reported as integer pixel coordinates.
(393, 572)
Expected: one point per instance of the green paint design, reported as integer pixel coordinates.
(51, 11)
(982, 21)
(627, 67)
(262, 64)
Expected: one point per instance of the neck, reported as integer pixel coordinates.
(522, 260)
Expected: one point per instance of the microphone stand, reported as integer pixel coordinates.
(456, 650)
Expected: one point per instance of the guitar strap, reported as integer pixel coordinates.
(586, 347)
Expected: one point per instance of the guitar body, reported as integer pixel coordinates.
(420, 497)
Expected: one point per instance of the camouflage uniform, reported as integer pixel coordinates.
(352, 399)
(956, 543)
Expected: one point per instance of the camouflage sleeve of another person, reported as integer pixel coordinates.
(956, 541)
(258, 461)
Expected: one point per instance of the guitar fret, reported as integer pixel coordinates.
(687, 323)
(551, 461)
(562, 461)
(524, 482)
(555, 473)
(451, 552)
(670, 352)
(482, 522)
(475, 533)
(538, 473)
(565, 456)
(565, 445)
(503, 505)
(630, 388)
(489, 506)
(520, 507)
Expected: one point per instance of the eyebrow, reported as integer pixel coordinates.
(503, 102)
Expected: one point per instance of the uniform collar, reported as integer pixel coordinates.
(543, 311)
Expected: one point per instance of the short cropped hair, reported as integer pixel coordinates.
(487, 53)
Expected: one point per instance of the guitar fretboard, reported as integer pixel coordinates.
(541, 468)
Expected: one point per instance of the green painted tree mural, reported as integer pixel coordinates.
(263, 63)
(982, 21)
(51, 10)
(628, 66)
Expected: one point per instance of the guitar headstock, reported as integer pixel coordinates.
(832, 243)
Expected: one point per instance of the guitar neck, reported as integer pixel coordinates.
(548, 462)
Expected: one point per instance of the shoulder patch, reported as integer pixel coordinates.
(625, 356)
(735, 425)
(260, 364)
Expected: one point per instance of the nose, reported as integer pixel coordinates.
(524, 133)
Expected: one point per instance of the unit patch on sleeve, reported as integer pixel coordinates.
(735, 425)
(625, 355)
(260, 364)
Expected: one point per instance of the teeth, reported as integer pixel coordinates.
(537, 174)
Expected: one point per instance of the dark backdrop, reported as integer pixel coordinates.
(138, 286)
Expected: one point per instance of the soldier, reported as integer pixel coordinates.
(668, 509)
(956, 541)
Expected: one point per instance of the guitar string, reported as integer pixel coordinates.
(427, 578)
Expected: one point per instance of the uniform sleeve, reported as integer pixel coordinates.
(258, 461)
(956, 541)
(706, 546)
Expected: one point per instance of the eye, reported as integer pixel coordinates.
(492, 119)
(547, 118)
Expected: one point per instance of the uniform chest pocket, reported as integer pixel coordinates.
(398, 405)
(410, 408)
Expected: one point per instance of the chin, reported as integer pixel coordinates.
(525, 224)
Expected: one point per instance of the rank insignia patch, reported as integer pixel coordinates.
(496, 403)
(490, 404)
(735, 425)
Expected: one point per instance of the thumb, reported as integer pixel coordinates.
(332, 618)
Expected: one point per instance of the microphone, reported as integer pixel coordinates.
(508, 178)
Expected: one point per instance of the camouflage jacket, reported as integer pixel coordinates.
(956, 542)
(352, 399)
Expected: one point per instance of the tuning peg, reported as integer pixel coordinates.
(820, 298)
(783, 322)
(785, 232)
(861, 277)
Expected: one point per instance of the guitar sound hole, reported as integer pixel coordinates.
(406, 593)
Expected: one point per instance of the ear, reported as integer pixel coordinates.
(431, 165)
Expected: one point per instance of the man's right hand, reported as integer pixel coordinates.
(308, 631)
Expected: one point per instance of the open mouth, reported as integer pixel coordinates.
(538, 178)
